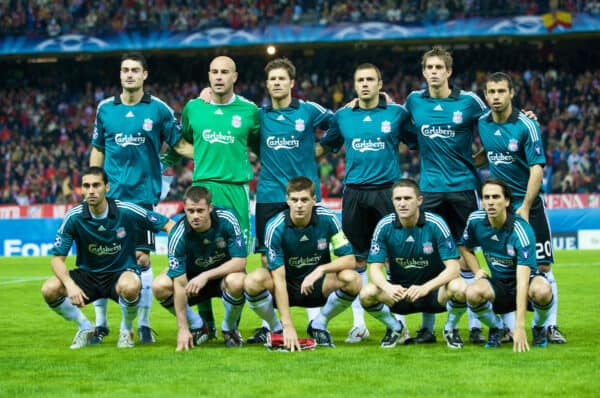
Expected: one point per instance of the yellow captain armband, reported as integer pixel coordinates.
(338, 240)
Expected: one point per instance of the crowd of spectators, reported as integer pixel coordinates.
(55, 17)
(46, 119)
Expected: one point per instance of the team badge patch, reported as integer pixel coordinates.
(386, 126)
(457, 117)
(220, 242)
(57, 241)
(152, 218)
(147, 126)
(95, 133)
(300, 126)
(173, 263)
(121, 233)
(236, 121)
(525, 254)
(272, 255)
(510, 250)
(513, 145)
(238, 241)
(538, 149)
(322, 244)
(427, 247)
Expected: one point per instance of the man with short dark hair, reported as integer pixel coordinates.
(104, 230)
(129, 131)
(423, 271)
(207, 258)
(300, 271)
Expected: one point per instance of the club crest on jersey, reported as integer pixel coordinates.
(457, 117)
(386, 126)
(300, 126)
(147, 126)
(510, 250)
(236, 121)
(513, 145)
(322, 244)
(121, 233)
(427, 247)
(220, 242)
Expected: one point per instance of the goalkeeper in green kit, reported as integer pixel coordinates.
(221, 130)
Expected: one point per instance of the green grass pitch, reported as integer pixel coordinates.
(35, 359)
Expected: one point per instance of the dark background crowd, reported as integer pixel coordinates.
(55, 17)
(47, 110)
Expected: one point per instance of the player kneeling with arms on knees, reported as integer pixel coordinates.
(207, 258)
(104, 230)
(508, 245)
(423, 268)
(300, 270)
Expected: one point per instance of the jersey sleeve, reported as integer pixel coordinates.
(478, 106)
(98, 133)
(176, 251)
(333, 140)
(235, 238)
(445, 242)
(171, 129)
(534, 151)
(64, 238)
(525, 245)
(274, 245)
(406, 133)
(468, 239)
(378, 251)
(321, 115)
(254, 132)
(340, 243)
(146, 219)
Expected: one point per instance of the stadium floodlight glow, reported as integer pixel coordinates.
(271, 50)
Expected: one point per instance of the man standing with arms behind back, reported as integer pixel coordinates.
(513, 149)
(221, 131)
(129, 131)
(444, 119)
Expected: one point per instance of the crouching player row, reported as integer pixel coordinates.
(423, 268)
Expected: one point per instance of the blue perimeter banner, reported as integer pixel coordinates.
(35, 237)
(531, 25)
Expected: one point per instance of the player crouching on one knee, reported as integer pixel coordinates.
(423, 268)
(508, 245)
(104, 230)
(300, 270)
(207, 258)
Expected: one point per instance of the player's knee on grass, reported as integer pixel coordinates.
(456, 290)
(52, 290)
(257, 281)
(162, 287)
(479, 292)
(368, 295)
(234, 283)
(540, 291)
(129, 286)
(350, 281)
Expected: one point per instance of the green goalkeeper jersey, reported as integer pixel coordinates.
(220, 134)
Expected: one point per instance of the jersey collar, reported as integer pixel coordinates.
(314, 218)
(420, 221)
(454, 93)
(294, 104)
(381, 104)
(514, 116)
(112, 209)
(146, 98)
(509, 225)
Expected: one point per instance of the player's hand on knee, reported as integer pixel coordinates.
(195, 285)
(76, 295)
(481, 274)
(308, 283)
